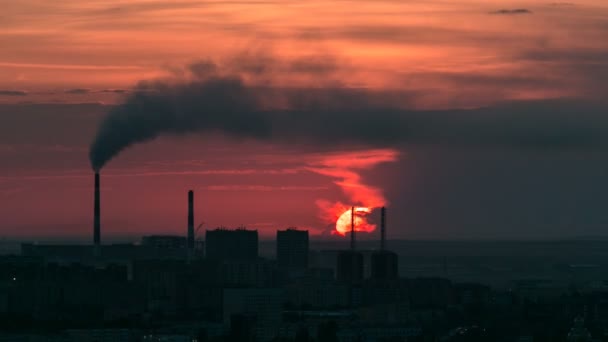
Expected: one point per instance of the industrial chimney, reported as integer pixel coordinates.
(190, 220)
(96, 214)
(382, 228)
(352, 229)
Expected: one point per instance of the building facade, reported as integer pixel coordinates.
(292, 249)
(224, 244)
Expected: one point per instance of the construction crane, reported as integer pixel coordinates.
(198, 228)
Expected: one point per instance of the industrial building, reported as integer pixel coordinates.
(385, 264)
(292, 249)
(349, 267)
(238, 244)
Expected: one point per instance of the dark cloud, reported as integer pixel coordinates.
(203, 69)
(78, 91)
(115, 91)
(498, 81)
(586, 68)
(414, 34)
(56, 124)
(261, 64)
(139, 8)
(158, 6)
(13, 93)
(514, 11)
(314, 64)
(595, 55)
(331, 117)
(495, 193)
(252, 62)
(562, 4)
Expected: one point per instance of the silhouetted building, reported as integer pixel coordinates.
(242, 327)
(258, 307)
(165, 241)
(174, 286)
(292, 249)
(317, 295)
(100, 335)
(578, 333)
(239, 244)
(107, 253)
(190, 240)
(247, 273)
(384, 265)
(349, 267)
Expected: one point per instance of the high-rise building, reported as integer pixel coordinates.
(292, 249)
(224, 244)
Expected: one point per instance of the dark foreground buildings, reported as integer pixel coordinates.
(238, 244)
(384, 265)
(156, 291)
(349, 268)
(292, 249)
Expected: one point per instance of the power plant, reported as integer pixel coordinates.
(242, 244)
(350, 262)
(385, 264)
(164, 242)
(97, 213)
(190, 221)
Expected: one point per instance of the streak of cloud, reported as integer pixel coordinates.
(13, 93)
(345, 168)
(78, 91)
(144, 173)
(514, 11)
(264, 188)
(69, 66)
(115, 91)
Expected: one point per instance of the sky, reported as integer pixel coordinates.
(466, 119)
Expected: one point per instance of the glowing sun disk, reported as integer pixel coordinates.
(343, 224)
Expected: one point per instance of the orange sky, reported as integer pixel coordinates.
(452, 49)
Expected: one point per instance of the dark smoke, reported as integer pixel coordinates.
(331, 116)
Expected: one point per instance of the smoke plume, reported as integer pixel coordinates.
(211, 100)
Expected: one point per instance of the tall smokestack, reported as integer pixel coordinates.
(382, 228)
(191, 220)
(352, 228)
(96, 214)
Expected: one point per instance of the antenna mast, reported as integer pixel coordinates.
(382, 228)
(352, 229)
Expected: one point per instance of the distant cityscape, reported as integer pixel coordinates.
(178, 288)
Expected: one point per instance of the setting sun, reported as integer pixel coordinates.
(343, 224)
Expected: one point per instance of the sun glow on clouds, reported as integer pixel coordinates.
(457, 53)
(345, 168)
(345, 223)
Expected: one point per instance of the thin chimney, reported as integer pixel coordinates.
(97, 214)
(190, 220)
(382, 228)
(352, 229)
